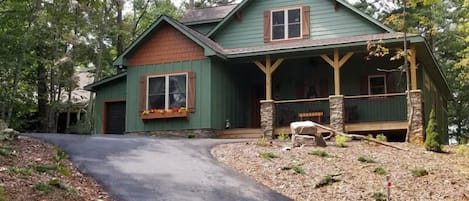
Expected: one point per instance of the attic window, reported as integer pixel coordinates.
(286, 23)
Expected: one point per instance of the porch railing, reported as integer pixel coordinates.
(373, 108)
(288, 111)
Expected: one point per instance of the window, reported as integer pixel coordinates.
(167, 91)
(376, 84)
(286, 24)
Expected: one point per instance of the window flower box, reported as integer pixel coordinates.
(164, 114)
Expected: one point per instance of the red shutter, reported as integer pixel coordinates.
(267, 26)
(364, 85)
(306, 22)
(191, 92)
(390, 85)
(143, 94)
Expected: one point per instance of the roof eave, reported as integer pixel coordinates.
(202, 22)
(92, 87)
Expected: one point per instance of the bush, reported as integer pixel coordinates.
(8, 134)
(298, 169)
(364, 159)
(382, 138)
(461, 149)
(318, 153)
(6, 151)
(44, 168)
(45, 188)
(283, 137)
(21, 171)
(341, 140)
(327, 180)
(262, 142)
(418, 172)
(378, 196)
(379, 170)
(2, 194)
(432, 141)
(268, 155)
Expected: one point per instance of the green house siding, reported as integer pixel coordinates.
(200, 119)
(203, 28)
(229, 96)
(111, 91)
(326, 22)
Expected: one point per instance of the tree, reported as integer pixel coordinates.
(432, 141)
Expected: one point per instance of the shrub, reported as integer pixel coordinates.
(8, 134)
(318, 153)
(21, 171)
(261, 142)
(379, 170)
(298, 169)
(418, 172)
(378, 196)
(382, 138)
(432, 141)
(461, 149)
(268, 155)
(44, 168)
(56, 183)
(6, 151)
(364, 159)
(45, 188)
(2, 194)
(283, 137)
(341, 140)
(327, 180)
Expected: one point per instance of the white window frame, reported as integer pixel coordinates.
(285, 15)
(375, 76)
(166, 90)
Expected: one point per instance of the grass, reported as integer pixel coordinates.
(364, 159)
(20, 171)
(298, 169)
(327, 180)
(419, 172)
(44, 168)
(380, 170)
(2, 194)
(319, 153)
(268, 155)
(341, 141)
(378, 196)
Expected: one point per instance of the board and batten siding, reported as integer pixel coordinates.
(326, 23)
(200, 119)
(115, 90)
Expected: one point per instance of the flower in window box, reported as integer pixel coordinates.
(182, 109)
(161, 111)
(169, 110)
(175, 109)
(146, 112)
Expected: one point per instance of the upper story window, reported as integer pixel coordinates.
(286, 24)
(377, 84)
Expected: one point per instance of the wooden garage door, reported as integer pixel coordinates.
(115, 118)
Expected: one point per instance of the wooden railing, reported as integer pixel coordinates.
(288, 111)
(373, 108)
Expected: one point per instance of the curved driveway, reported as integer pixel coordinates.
(152, 169)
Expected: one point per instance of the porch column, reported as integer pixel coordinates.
(268, 105)
(336, 104)
(416, 130)
(413, 67)
(337, 63)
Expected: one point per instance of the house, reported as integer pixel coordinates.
(264, 64)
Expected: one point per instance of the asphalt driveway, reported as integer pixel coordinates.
(151, 169)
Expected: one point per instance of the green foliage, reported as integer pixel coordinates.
(2, 194)
(319, 153)
(382, 138)
(283, 137)
(341, 141)
(365, 159)
(45, 188)
(56, 183)
(378, 196)
(44, 168)
(20, 171)
(262, 142)
(58, 159)
(419, 172)
(432, 141)
(268, 155)
(6, 151)
(298, 169)
(327, 180)
(380, 170)
(462, 149)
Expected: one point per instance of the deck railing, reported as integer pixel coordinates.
(288, 111)
(373, 108)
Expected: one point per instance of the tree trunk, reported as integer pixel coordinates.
(42, 93)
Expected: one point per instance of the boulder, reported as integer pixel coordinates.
(3, 125)
(8, 134)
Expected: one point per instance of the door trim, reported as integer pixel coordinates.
(104, 112)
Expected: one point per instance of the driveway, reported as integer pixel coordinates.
(134, 168)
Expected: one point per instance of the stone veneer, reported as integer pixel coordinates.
(336, 105)
(267, 117)
(194, 133)
(416, 130)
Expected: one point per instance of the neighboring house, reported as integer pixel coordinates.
(264, 64)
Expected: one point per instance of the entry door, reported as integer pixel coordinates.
(115, 118)
(256, 97)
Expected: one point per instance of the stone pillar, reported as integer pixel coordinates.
(267, 117)
(336, 104)
(416, 131)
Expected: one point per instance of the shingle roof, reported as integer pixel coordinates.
(207, 14)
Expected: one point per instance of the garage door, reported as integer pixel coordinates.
(115, 118)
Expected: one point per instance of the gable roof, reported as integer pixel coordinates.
(93, 86)
(211, 48)
(206, 15)
(244, 3)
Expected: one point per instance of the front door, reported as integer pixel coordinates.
(115, 118)
(257, 94)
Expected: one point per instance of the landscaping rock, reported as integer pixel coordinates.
(8, 134)
(3, 125)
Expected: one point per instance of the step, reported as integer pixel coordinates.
(242, 133)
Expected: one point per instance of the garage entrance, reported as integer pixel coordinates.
(114, 121)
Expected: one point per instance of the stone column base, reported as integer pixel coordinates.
(336, 105)
(417, 132)
(268, 117)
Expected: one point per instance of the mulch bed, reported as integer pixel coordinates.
(20, 178)
(448, 177)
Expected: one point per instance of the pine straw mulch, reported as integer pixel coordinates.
(448, 177)
(25, 156)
